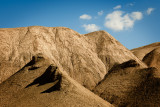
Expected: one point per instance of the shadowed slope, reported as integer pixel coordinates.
(85, 58)
(152, 59)
(69, 50)
(128, 84)
(142, 51)
(109, 50)
(40, 83)
(96, 61)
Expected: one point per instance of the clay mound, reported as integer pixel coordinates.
(40, 83)
(85, 58)
(142, 51)
(69, 50)
(152, 59)
(69, 65)
(128, 84)
(109, 50)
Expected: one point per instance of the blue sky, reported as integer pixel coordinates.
(132, 22)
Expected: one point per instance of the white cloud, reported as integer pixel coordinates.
(100, 13)
(85, 17)
(118, 21)
(91, 27)
(130, 4)
(149, 10)
(136, 15)
(117, 7)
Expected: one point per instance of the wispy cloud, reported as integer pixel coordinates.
(117, 7)
(85, 17)
(149, 11)
(118, 21)
(91, 27)
(131, 4)
(136, 15)
(100, 13)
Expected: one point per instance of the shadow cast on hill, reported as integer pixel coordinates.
(49, 76)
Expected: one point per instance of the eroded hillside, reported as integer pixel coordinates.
(56, 66)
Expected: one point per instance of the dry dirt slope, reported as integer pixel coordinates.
(149, 54)
(128, 84)
(86, 58)
(41, 84)
(142, 51)
(68, 64)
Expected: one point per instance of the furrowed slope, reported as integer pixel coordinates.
(72, 63)
(109, 50)
(152, 59)
(85, 58)
(40, 83)
(128, 84)
(142, 51)
(68, 49)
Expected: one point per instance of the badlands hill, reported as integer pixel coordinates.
(142, 51)
(149, 54)
(56, 66)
